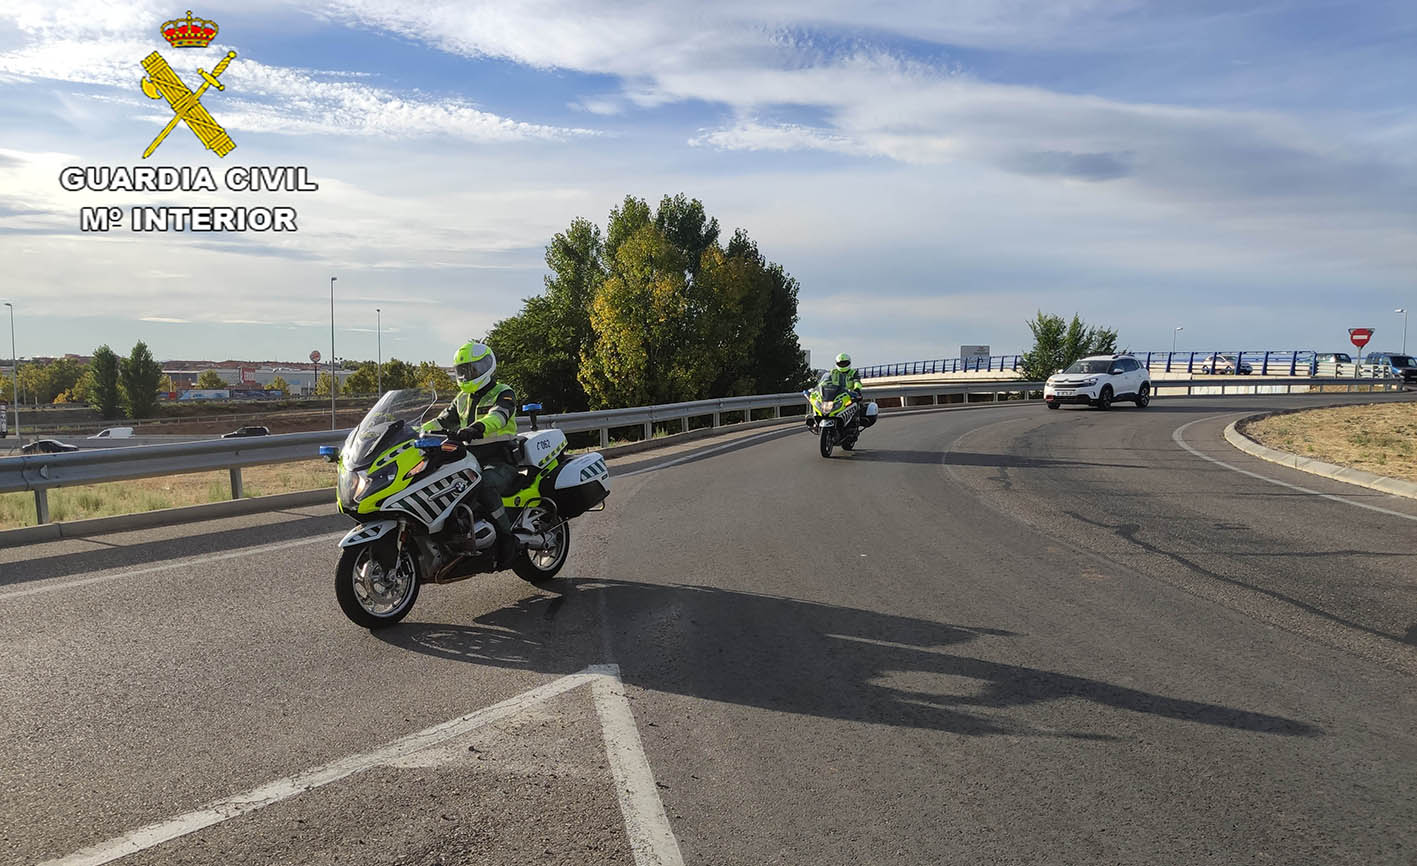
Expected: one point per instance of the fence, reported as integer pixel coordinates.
(1265, 362)
(41, 472)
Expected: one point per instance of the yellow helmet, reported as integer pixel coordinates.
(475, 366)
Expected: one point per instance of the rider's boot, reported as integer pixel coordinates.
(506, 541)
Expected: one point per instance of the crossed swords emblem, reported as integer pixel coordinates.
(162, 83)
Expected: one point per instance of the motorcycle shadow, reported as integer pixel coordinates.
(794, 656)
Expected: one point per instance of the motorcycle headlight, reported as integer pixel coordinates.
(829, 405)
(367, 484)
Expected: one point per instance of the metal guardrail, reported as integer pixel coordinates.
(41, 472)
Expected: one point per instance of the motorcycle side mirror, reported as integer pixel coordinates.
(532, 409)
(428, 442)
(330, 453)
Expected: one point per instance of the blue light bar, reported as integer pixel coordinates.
(532, 407)
(428, 442)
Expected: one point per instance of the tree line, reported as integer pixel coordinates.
(112, 384)
(655, 309)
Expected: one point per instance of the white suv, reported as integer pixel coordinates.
(1100, 380)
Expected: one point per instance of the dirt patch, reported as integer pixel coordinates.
(1381, 439)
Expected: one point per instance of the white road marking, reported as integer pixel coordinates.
(1177, 434)
(651, 838)
(178, 563)
(645, 822)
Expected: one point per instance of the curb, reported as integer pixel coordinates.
(1346, 474)
(163, 517)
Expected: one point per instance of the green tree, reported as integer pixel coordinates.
(399, 375)
(364, 380)
(140, 375)
(104, 393)
(165, 384)
(1056, 344)
(211, 380)
(322, 386)
(435, 378)
(539, 350)
(42, 383)
(278, 384)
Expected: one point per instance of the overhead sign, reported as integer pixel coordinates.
(1360, 336)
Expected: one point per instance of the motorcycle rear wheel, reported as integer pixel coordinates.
(540, 566)
(369, 596)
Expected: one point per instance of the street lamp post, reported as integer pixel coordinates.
(14, 371)
(334, 383)
(1402, 310)
(379, 338)
(1174, 332)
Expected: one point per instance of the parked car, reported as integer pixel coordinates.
(47, 446)
(250, 430)
(114, 433)
(1225, 364)
(1333, 358)
(1099, 380)
(1403, 366)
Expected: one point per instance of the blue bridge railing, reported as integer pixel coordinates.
(1264, 362)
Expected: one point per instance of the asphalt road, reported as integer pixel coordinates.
(999, 635)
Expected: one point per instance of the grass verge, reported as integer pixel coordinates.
(1380, 439)
(172, 491)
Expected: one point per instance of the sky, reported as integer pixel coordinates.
(933, 174)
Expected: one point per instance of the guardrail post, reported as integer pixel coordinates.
(777, 411)
(41, 505)
(1168, 361)
(604, 437)
(236, 490)
(1293, 362)
(1264, 365)
(1191, 367)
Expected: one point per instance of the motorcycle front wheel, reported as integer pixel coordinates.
(368, 594)
(827, 441)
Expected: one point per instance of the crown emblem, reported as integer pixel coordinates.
(189, 32)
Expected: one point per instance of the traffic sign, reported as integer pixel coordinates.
(1360, 336)
(315, 356)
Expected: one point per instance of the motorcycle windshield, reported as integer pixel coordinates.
(830, 391)
(392, 420)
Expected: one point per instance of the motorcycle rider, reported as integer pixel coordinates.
(844, 376)
(485, 407)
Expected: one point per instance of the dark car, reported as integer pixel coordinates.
(47, 446)
(253, 430)
(1402, 365)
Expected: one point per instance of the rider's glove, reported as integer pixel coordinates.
(475, 430)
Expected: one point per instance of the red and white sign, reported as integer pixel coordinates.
(315, 356)
(1360, 336)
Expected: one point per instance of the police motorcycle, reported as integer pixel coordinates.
(838, 416)
(411, 494)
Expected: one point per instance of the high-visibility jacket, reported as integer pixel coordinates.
(496, 408)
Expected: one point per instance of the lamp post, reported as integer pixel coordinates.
(1402, 310)
(334, 383)
(14, 371)
(1174, 332)
(379, 338)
